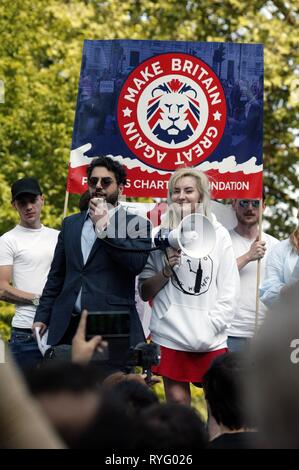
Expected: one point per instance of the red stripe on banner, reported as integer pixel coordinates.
(152, 184)
(235, 185)
(77, 180)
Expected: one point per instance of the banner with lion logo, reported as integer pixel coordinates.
(156, 106)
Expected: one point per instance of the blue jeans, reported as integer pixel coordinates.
(237, 344)
(24, 349)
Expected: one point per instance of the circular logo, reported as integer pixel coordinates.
(172, 111)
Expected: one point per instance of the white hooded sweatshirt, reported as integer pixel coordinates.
(196, 322)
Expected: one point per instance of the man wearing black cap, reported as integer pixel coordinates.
(26, 254)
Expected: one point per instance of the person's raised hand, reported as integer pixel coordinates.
(83, 350)
(98, 211)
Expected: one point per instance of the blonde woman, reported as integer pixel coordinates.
(189, 318)
(282, 268)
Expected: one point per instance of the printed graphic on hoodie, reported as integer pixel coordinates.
(195, 275)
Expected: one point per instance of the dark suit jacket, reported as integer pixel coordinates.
(107, 278)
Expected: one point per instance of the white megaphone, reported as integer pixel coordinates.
(195, 236)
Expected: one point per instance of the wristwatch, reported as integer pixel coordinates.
(35, 300)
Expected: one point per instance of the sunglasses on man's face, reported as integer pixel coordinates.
(245, 203)
(105, 182)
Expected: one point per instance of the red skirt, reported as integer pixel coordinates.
(183, 366)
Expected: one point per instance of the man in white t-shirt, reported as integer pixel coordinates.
(248, 249)
(26, 254)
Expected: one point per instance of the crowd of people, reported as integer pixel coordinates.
(83, 393)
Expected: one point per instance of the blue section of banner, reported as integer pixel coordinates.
(107, 64)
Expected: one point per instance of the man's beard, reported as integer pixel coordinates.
(113, 198)
(243, 220)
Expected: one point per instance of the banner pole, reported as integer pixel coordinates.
(258, 270)
(66, 200)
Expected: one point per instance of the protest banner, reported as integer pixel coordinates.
(156, 106)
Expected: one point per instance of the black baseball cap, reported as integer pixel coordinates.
(25, 186)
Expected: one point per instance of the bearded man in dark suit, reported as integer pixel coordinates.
(91, 268)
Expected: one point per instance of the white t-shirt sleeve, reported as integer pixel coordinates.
(151, 268)
(6, 252)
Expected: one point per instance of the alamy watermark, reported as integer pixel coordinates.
(294, 354)
(2, 351)
(140, 225)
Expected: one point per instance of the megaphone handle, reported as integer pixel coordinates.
(198, 278)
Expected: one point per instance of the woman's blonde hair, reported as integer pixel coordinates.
(170, 219)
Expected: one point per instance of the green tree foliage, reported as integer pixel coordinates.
(41, 47)
(40, 56)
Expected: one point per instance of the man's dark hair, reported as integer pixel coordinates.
(135, 395)
(84, 201)
(111, 165)
(223, 386)
(114, 425)
(170, 427)
(55, 377)
(112, 428)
